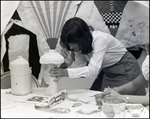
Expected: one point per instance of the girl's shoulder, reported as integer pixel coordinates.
(97, 33)
(100, 35)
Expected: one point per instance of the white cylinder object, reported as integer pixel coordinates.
(53, 86)
(20, 73)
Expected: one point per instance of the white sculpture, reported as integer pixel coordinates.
(52, 59)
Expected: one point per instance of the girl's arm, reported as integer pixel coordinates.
(132, 86)
(136, 99)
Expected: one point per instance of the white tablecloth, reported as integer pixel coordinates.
(12, 109)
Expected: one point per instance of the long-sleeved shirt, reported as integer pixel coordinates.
(145, 68)
(107, 50)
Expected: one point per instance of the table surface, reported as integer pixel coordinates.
(11, 108)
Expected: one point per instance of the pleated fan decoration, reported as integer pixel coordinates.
(50, 16)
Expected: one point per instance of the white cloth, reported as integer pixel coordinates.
(92, 16)
(7, 10)
(18, 45)
(145, 68)
(107, 51)
(134, 25)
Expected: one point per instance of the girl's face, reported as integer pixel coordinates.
(74, 47)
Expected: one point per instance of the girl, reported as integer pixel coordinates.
(102, 51)
(137, 99)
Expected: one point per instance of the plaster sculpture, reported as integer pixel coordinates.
(52, 59)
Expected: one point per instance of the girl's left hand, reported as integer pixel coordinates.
(58, 72)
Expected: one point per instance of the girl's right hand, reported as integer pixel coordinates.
(113, 95)
(67, 56)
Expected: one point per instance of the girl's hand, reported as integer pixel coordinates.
(107, 90)
(58, 72)
(113, 95)
(67, 57)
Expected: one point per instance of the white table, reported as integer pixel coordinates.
(19, 110)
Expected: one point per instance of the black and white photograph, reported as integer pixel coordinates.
(75, 59)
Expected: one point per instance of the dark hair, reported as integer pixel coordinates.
(75, 30)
